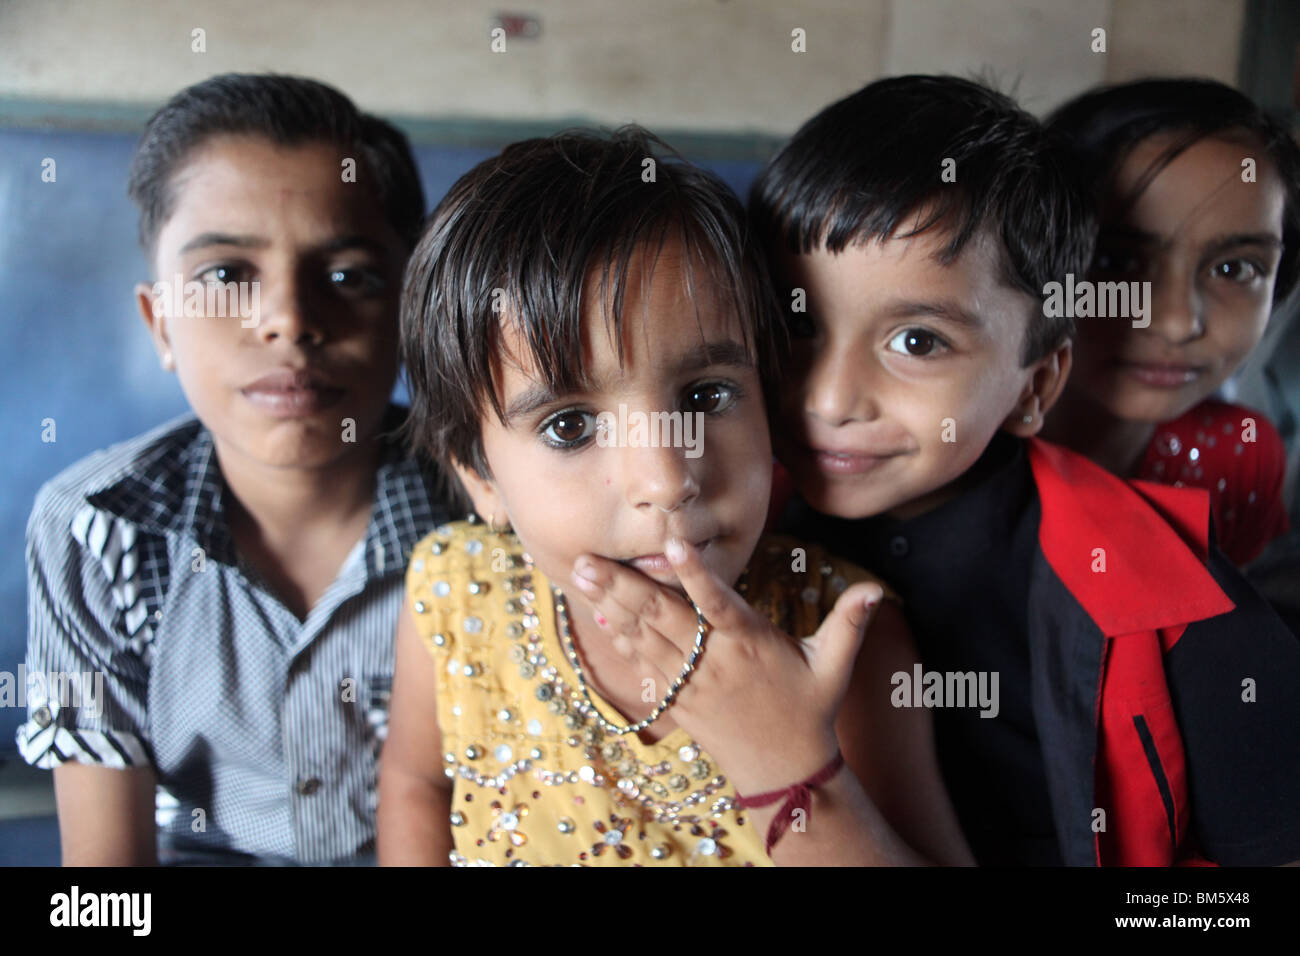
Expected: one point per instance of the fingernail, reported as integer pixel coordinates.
(602, 620)
(585, 568)
(674, 551)
(587, 586)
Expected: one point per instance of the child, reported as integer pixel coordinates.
(1147, 706)
(1218, 239)
(233, 577)
(565, 293)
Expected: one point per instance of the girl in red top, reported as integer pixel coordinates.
(1198, 193)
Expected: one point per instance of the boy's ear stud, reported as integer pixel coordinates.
(1028, 419)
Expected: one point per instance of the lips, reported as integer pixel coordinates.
(836, 462)
(658, 563)
(292, 393)
(1162, 374)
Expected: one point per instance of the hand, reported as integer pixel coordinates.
(759, 703)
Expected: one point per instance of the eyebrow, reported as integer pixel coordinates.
(353, 242)
(707, 355)
(1217, 244)
(941, 309)
(1221, 243)
(338, 244)
(205, 239)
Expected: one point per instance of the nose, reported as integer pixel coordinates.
(659, 478)
(287, 312)
(836, 387)
(1177, 309)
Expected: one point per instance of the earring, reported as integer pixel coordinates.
(1028, 419)
(167, 362)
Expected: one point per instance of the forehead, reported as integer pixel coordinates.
(672, 304)
(247, 185)
(1200, 191)
(876, 274)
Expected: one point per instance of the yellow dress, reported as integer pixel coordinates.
(535, 779)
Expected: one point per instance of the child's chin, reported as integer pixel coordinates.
(844, 500)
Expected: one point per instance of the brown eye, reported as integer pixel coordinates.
(568, 429)
(224, 273)
(1117, 262)
(915, 342)
(1237, 270)
(709, 399)
(801, 326)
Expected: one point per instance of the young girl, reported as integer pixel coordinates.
(620, 679)
(1198, 193)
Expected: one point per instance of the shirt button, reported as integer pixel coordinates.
(898, 546)
(306, 786)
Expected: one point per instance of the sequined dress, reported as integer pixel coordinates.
(535, 779)
(1236, 454)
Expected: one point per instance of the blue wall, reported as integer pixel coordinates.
(74, 348)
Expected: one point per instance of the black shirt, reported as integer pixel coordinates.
(962, 571)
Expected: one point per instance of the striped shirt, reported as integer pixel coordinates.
(152, 643)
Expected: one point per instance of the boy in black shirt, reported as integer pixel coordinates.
(1147, 712)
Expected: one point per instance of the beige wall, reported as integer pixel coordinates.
(687, 64)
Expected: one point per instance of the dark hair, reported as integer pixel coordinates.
(519, 237)
(288, 111)
(1104, 125)
(858, 168)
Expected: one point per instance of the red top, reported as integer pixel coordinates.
(1214, 447)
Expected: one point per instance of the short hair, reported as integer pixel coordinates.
(288, 111)
(1104, 125)
(518, 238)
(857, 169)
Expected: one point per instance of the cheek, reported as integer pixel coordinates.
(958, 410)
(1236, 331)
(737, 452)
(205, 378)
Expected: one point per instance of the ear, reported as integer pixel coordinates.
(1046, 382)
(488, 503)
(153, 312)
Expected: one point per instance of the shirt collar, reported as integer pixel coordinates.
(175, 486)
(407, 505)
(1132, 554)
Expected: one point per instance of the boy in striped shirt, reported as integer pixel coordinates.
(235, 575)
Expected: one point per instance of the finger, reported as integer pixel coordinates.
(653, 683)
(658, 621)
(833, 650)
(717, 601)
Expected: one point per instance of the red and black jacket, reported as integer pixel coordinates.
(1120, 575)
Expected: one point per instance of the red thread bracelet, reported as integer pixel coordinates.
(797, 797)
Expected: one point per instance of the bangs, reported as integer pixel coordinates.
(551, 232)
(597, 289)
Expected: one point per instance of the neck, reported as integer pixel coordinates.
(1117, 444)
(288, 504)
